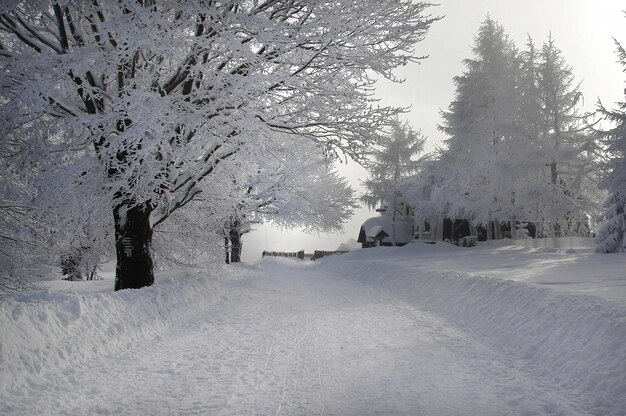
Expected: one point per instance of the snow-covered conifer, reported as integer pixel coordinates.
(395, 160)
(390, 164)
(517, 149)
(612, 235)
(567, 149)
(483, 131)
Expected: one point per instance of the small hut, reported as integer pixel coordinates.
(379, 231)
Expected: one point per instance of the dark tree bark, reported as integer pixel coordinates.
(133, 247)
(232, 241)
(554, 178)
(227, 248)
(235, 245)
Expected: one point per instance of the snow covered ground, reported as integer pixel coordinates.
(567, 270)
(417, 330)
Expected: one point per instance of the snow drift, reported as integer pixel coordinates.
(46, 331)
(575, 341)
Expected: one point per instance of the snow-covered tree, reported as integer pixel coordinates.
(143, 100)
(530, 94)
(482, 125)
(419, 190)
(292, 186)
(20, 255)
(391, 163)
(47, 222)
(517, 147)
(612, 235)
(564, 142)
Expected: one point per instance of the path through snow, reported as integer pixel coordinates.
(293, 340)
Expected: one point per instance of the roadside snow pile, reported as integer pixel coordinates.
(575, 341)
(47, 330)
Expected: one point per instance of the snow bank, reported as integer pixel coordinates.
(549, 242)
(575, 341)
(47, 330)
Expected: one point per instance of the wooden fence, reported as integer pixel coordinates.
(298, 254)
(318, 254)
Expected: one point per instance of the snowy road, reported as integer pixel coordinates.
(292, 340)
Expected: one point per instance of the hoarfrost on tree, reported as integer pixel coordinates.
(518, 149)
(145, 99)
(612, 236)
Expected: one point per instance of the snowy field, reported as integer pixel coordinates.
(418, 330)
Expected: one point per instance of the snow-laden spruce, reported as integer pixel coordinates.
(393, 162)
(517, 147)
(611, 237)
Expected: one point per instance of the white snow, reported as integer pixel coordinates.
(373, 226)
(417, 330)
(349, 245)
(565, 270)
(46, 332)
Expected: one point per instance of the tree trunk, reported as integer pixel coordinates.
(133, 247)
(554, 176)
(233, 238)
(497, 230)
(227, 249)
(553, 172)
(235, 245)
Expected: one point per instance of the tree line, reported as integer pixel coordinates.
(519, 150)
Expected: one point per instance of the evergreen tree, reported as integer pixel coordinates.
(483, 129)
(612, 236)
(388, 165)
(530, 108)
(392, 162)
(517, 149)
(565, 146)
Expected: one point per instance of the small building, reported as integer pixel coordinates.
(379, 231)
(459, 230)
(446, 229)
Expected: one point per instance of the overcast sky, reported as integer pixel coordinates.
(582, 29)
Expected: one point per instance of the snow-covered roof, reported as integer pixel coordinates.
(376, 231)
(349, 245)
(373, 227)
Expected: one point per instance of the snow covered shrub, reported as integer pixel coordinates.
(469, 241)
